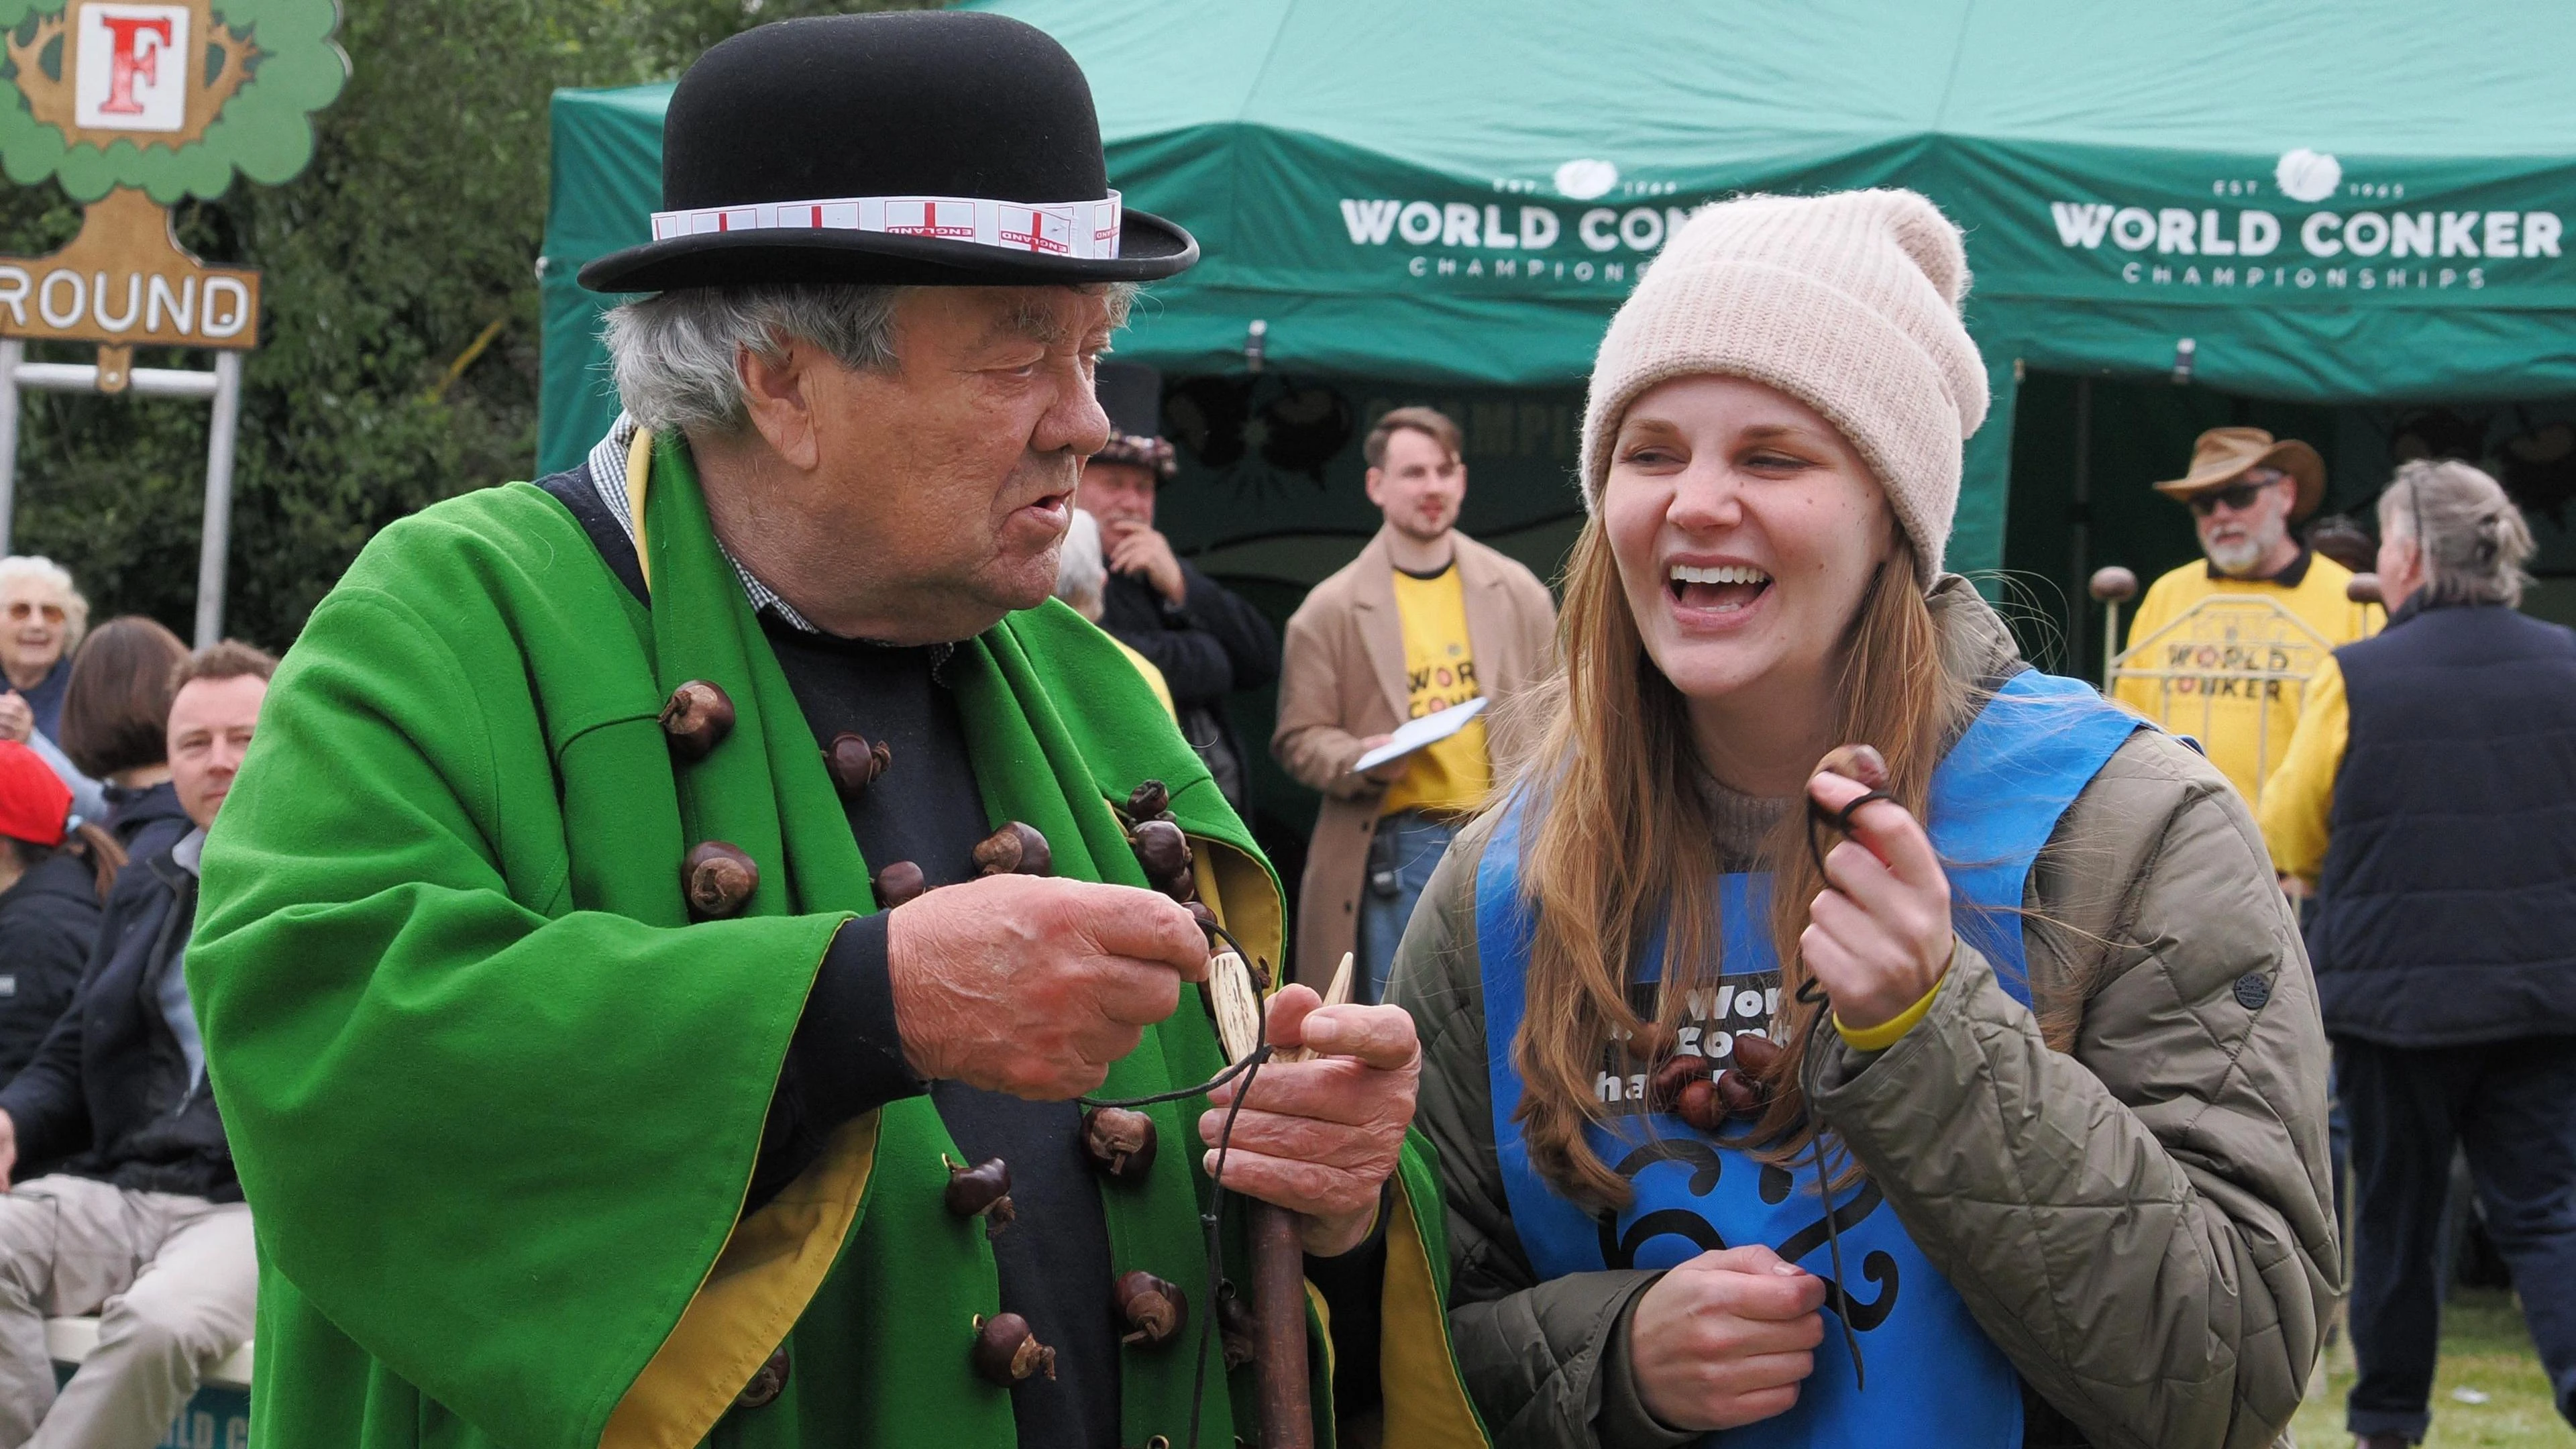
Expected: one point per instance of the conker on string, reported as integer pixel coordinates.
(717, 878)
(1015, 849)
(697, 719)
(1007, 1352)
(1698, 1105)
(1148, 800)
(1739, 1095)
(1120, 1141)
(1202, 913)
(854, 764)
(1152, 1308)
(1757, 1056)
(898, 882)
(1664, 1088)
(1161, 849)
(982, 1190)
(1234, 1326)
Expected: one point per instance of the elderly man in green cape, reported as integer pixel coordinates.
(627, 1032)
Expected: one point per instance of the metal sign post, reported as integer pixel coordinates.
(223, 385)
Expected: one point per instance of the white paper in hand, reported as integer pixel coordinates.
(1413, 734)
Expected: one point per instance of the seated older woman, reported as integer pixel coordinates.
(42, 618)
(1967, 1090)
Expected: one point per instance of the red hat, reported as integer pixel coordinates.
(34, 801)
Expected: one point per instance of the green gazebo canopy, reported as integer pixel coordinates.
(2345, 202)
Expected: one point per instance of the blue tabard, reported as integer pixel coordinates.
(1934, 1377)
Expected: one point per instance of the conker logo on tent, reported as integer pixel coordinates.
(2381, 244)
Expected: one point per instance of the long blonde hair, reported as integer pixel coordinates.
(1620, 845)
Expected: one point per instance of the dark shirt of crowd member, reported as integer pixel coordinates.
(115, 714)
(54, 876)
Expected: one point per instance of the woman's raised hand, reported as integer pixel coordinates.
(1878, 936)
(1725, 1339)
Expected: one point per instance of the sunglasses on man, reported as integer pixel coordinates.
(21, 610)
(2236, 496)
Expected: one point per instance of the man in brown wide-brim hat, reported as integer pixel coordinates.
(2246, 489)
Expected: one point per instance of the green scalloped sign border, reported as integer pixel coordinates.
(265, 131)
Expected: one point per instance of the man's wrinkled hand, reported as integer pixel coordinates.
(1319, 1137)
(1137, 549)
(1034, 986)
(17, 718)
(8, 1151)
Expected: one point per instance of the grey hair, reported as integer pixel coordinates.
(2472, 539)
(1081, 574)
(673, 353)
(36, 568)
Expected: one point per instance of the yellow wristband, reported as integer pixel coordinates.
(1884, 1035)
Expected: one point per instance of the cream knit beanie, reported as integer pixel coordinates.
(1848, 303)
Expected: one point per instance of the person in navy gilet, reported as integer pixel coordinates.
(2430, 793)
(1970, 1093)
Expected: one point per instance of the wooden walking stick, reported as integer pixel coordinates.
(1280, 1383)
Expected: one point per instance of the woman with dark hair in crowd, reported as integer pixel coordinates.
(54, 875)
(116, 713)
(1964, 1091)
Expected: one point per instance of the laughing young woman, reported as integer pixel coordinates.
(2039, 1010)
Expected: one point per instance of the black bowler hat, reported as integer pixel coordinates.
(923, 148)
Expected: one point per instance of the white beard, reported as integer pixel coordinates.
(2239, 559)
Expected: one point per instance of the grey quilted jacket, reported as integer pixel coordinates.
(2143, 1224)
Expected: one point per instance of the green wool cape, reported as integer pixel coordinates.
(495, 1097)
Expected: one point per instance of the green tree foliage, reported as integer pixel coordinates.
(411, 237)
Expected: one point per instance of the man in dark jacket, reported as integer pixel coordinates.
(145, 1220)
(2430, 791)
(1207, 642)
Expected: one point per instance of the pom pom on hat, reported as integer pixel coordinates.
(1848, 303)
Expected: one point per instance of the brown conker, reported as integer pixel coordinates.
(1007, 1352)
(697, 719)
(1161, 849)
(1015, 849)
(854, 764)
(1202, 913)
(1234, 1326)
(1152, 1308)
(1739, 1095)
(1148, 800)
(1757, 1056)
(1697, 1104)
(767, 1382)
(982, 1190)
(1120, 1141)
(1664, 1088)
(898, 882)
(717, 878)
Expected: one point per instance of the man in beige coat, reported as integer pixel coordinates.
(1423, 620)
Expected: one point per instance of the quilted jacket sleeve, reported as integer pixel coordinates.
(2142, 1223)
(1545, 1362)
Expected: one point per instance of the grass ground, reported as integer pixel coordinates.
(2484, 1351)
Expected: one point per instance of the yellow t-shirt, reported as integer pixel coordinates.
(1439, 671)
(2234, 674)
